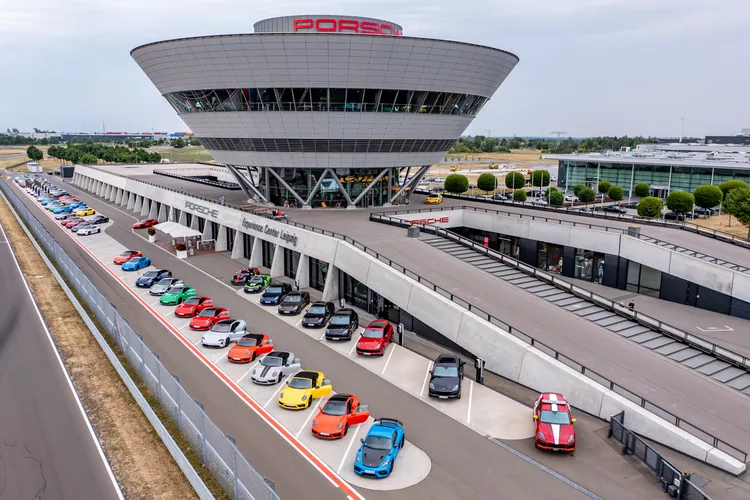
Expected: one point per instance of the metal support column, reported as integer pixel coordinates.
(287, 186)
(247, 187)
(411, 182)
(632, 176)
(315, 189)
(370, 186)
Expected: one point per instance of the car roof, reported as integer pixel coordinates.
(226, 321)
(294, 293)
(381, 430)
(321, 303)
(445, 359)
(309, 374)
(550, 400)
(279, 354)
(378, 324)
(345, 311)
(256, 336)
(340, 397)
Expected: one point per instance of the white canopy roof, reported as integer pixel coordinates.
(177, 230)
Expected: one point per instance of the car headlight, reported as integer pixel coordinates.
(540, 435)
(315, 422)
(281, 396)
(247, 353)
(571, 438)
(341, 424)
(304, 398)
(358, 458)
(254, 370)
(432, 386)
(386, 462)
(455, 388)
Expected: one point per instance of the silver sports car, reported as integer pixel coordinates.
(164, 284)
(274, 366)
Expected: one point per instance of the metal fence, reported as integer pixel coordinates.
(675, 483)
(216, 450)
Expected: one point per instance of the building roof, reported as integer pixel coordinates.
(738, 161)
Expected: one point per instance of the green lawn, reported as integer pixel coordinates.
(186, 154)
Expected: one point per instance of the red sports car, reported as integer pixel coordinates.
(208, 318)
(193, 306)
(145, 223)
(337, 414)
(554, 423)
(375, 338)
(244, 275)
(126, 256)
(72, 221)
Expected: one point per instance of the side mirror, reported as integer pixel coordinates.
(269, 342)
(326, 382)
(536, 417)
(573, 420)
(295, 361)
(364, 408)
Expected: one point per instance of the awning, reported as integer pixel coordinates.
(176, 230)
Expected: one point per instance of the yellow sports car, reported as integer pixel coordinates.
(87, 211)
(434, 199)
(303, 388)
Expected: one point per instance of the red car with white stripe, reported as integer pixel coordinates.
(554, 423)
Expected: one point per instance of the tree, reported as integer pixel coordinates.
(615, 193)
(540, 178)
(737, 203)
(650, 207)
(578, 188)
(456, 183)
(88, 159)
(179, 143)
(603, 186)
(548, 192)
(641, 189)
(34, 153)
(519, 195)
(556, 199)
(487, 182)
(515, 180)
(586, 195)
(680, 202)
(195, 142)
(729, 185)
(708, 196)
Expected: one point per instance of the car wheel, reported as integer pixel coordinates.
(226, 341)
(254, 355)
(309, 402)
(279, 380)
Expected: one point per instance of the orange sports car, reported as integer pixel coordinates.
(126, 256)
(336, 416)
(193, 306)
(250, 346)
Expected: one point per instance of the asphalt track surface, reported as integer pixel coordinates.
(464, 463)
(47, 449)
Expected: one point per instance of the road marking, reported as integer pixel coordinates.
(393, 349)
(348, 449)
(322, 336)
(248, 371)
(183, 327)
(154, 303)
(352, 349)
(313, 412)
(424, 382)
(282, 384)
(471, 395)
(715, 329)
(298, 324)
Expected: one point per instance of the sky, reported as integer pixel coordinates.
(587, 67)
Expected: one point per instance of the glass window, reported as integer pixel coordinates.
(337, 99)
(354, 99)
(302, 99)
(371, 99)
(387, 98)
(550, 258)
(417, 101)
(402, 101)
(319, 99)
(268, 98)
(285, 98)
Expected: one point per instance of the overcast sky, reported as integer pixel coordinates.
(588, 67)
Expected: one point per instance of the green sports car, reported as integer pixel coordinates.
(257, 283)
(177, 295)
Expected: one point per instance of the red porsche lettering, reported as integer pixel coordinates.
(302, 24)
(349, 26)
(327, 25)
(369, 28)
(431, 220)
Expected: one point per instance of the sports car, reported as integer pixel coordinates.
(192, 306)
(275, 293)
(434, 199)
(445, 378)
(336, 416)
(177, 295)
(63, 216)
(88, 230)
(98, 219)
(152, 277)
(126, 256)
(249, 347)
(85, 211)
(274, 366)
(554, 426)
(78, 226)
(318, 314)
(208, 317)
(145, 223)
(244, 275)
(379, 449)
(294, 303)
(71, 221)
(257, 283)
(54, 205)
(303, 388)
(342, 325)
(376, 337)
(224, 332)
(64, 209)
(164, 284)
(136, 263)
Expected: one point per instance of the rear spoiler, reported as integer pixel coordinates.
(389, 421)
(551, 402)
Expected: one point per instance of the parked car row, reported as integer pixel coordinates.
(67, 208)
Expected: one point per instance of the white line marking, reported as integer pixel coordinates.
(715, 329)
(155, 303)
(298, 323)
(307, 420)
(348, 448)
(352, 349)
(183, 327)
(424, 382)
(249, 370)
(322, 336)
(393, 349)
(282, 384)
(471, 395)
(67, 376)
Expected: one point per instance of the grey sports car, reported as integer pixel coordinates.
(274, 366)
(164, 284)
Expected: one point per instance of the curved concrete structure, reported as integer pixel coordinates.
(326, 97)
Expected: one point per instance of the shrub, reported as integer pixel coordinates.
(733, 184)
(540, 178)
(615, 193)
(578, 188)
(586, 195)
(519, 195)
(181, 247)
(708, 196)
(151, 231)
(650, 207)
(641, 189)
(515, 180)
(456, 183)
(556, 199)
(487, 182)
(680, 202)
(548, 191)
(603, 186)
(737, 203)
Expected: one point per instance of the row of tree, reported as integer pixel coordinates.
(19, 140)
(89, 153)
(482, 144)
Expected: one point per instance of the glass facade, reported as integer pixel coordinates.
(643, 279)
(317, 274)
(550, 257)
(291, 263)
(589, 265)
(285, 145)
(230, 239)
(248, 241)
(267, 250)
(325, 99)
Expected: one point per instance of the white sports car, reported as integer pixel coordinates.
(224, 332)
(274, 366)
(85, 231)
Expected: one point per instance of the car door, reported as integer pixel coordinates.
(388, 334)
(265, 347)
(238, 330)
(323, 389)
(358, 414)
(293, 365)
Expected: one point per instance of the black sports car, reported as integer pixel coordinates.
(318, 314)
(342, 325)
(445, 379)
(150, 277)
(294, 303)
(244, 275)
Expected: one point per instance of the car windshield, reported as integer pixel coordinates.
(300, 383)
(379, 442)
(340, 319)
(317, 310)
(271, 361)
(293, 298)
(125, 254)
(136, 259)
(434, 196)
(192, 301)
(250, 342)
(372, 334)
(222, 327)
(165, 282)
(274, 290)
(175, 289)
(555, 417)
(445, 371)
(335, 408)
(207, 313)
(150, 274)
(256, 281)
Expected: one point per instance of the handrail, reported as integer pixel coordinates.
(221, 184)
(561, 222)
(642, 402)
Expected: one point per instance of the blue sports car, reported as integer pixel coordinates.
(60, 210)
(150, 278)
(377, 454)
(275, 293)
(136, 263)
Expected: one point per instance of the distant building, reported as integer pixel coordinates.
(122, 136)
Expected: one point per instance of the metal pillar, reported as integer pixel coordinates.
(247, 187)
(284, 183)
(314, 190)
(413, 182)
(669, 182)
(632, 176)
(370, 186)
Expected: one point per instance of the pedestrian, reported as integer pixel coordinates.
(286, 203)
(631, 305)
(221, 200)
(182, 190)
